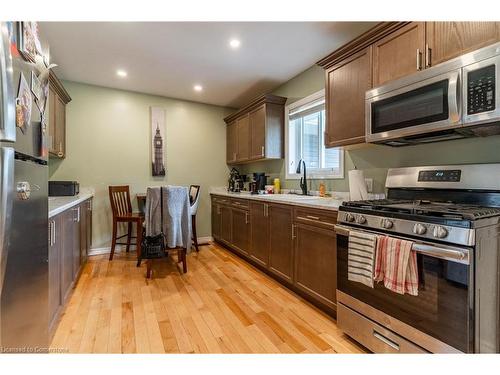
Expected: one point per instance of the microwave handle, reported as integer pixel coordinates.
(455, 96)
(448, 253)
(7, 106)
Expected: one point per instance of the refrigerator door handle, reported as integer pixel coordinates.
(6, 191)
(7, 105)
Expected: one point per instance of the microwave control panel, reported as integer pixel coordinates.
(481, 90)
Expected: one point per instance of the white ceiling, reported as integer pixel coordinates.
(168, 58)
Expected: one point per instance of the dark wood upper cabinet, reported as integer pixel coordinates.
(259, 131)
(259, 237)
(58, 98)
(399, 54)
(316, 262)
(446, 40)
(243, 136)
(231, 143)
(346, 84)
(281, 241)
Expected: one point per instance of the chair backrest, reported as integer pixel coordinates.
(119, 196)
(194, 197)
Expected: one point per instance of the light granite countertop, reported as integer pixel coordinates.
(61, 204)
(325, 203)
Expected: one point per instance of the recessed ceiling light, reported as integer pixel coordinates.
(198, 88)
(234, 43)
(121, 73)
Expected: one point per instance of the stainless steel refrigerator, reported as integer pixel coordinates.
(23, 214)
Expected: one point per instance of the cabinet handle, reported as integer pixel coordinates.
(385, 340)
(262, 152)
(246, 217)
(312, 217)
(419, 58)
(293, 231)
(266, 210)
(234, 156)
(53, 232)
(50, 233)
(428, 56)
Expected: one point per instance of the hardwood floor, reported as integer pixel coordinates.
(222, 305)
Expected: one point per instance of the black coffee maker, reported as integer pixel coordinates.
(259, 182)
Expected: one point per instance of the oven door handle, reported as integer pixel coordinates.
(455, 254)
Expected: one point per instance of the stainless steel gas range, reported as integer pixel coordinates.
(452, 215)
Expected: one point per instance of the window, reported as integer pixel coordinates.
(305, 129)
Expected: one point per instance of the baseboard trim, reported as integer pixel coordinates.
(106, 250)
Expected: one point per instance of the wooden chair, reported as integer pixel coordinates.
(194, 200)
(119, 196)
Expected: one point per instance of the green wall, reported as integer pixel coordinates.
(375, 159)
(108, 143)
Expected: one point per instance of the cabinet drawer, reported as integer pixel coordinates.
(321, 218)
(240, 203)
(221, 200)
(373, 336)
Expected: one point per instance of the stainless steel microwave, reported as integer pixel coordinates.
(456, 99)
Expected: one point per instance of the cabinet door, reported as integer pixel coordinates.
(316, 262)
(258, 133)
(77, 217)
(52, 121)
(346, 84)
(89, 226)
(216, 220)
(243, 136)
(83, 232)
(231, 145)
(54, 268)
(259, 238)
(60, 127)
(281, 242)
(399, 54)
(446, 40)
(225, 224)
(68, 233)
(240, 239)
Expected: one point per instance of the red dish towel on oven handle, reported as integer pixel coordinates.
(396, 265)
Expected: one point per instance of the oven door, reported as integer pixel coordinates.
(443, 308)
(419, 108)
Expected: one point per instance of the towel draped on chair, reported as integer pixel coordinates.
(176, 215)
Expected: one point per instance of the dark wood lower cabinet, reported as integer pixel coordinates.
(316, 262)
(70, 237)
(295, 245)
(259, 238)
(240, 230)
(281, 241)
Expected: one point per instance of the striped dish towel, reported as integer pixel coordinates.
(360, 258)
(396, 265)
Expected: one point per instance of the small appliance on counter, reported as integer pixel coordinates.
(236, 181)
(63, 188)
(258, 183)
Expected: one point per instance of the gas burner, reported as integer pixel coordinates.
(448, 210)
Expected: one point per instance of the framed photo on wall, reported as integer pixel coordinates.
(158, 141)
(27, 40)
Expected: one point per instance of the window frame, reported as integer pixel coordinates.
(319, 175)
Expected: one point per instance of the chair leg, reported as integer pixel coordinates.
(195, 236)
(139, 243)
(149, 264)
(129, 236)
(184, 260)
(113, 242)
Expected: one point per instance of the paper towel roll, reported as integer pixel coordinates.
(357, 185)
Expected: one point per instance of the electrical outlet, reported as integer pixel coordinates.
(369, 184)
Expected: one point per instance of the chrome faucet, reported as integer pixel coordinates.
(303, 180)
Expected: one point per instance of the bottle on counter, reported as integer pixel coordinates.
(322, 189)
(277, 186)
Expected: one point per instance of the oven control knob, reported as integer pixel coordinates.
(349, 217)
(419, 228)
(361, 219)
(440, 232)
(387, 224)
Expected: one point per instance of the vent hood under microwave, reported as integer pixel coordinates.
(456, 99)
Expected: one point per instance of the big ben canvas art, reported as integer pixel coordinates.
(158, 141)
